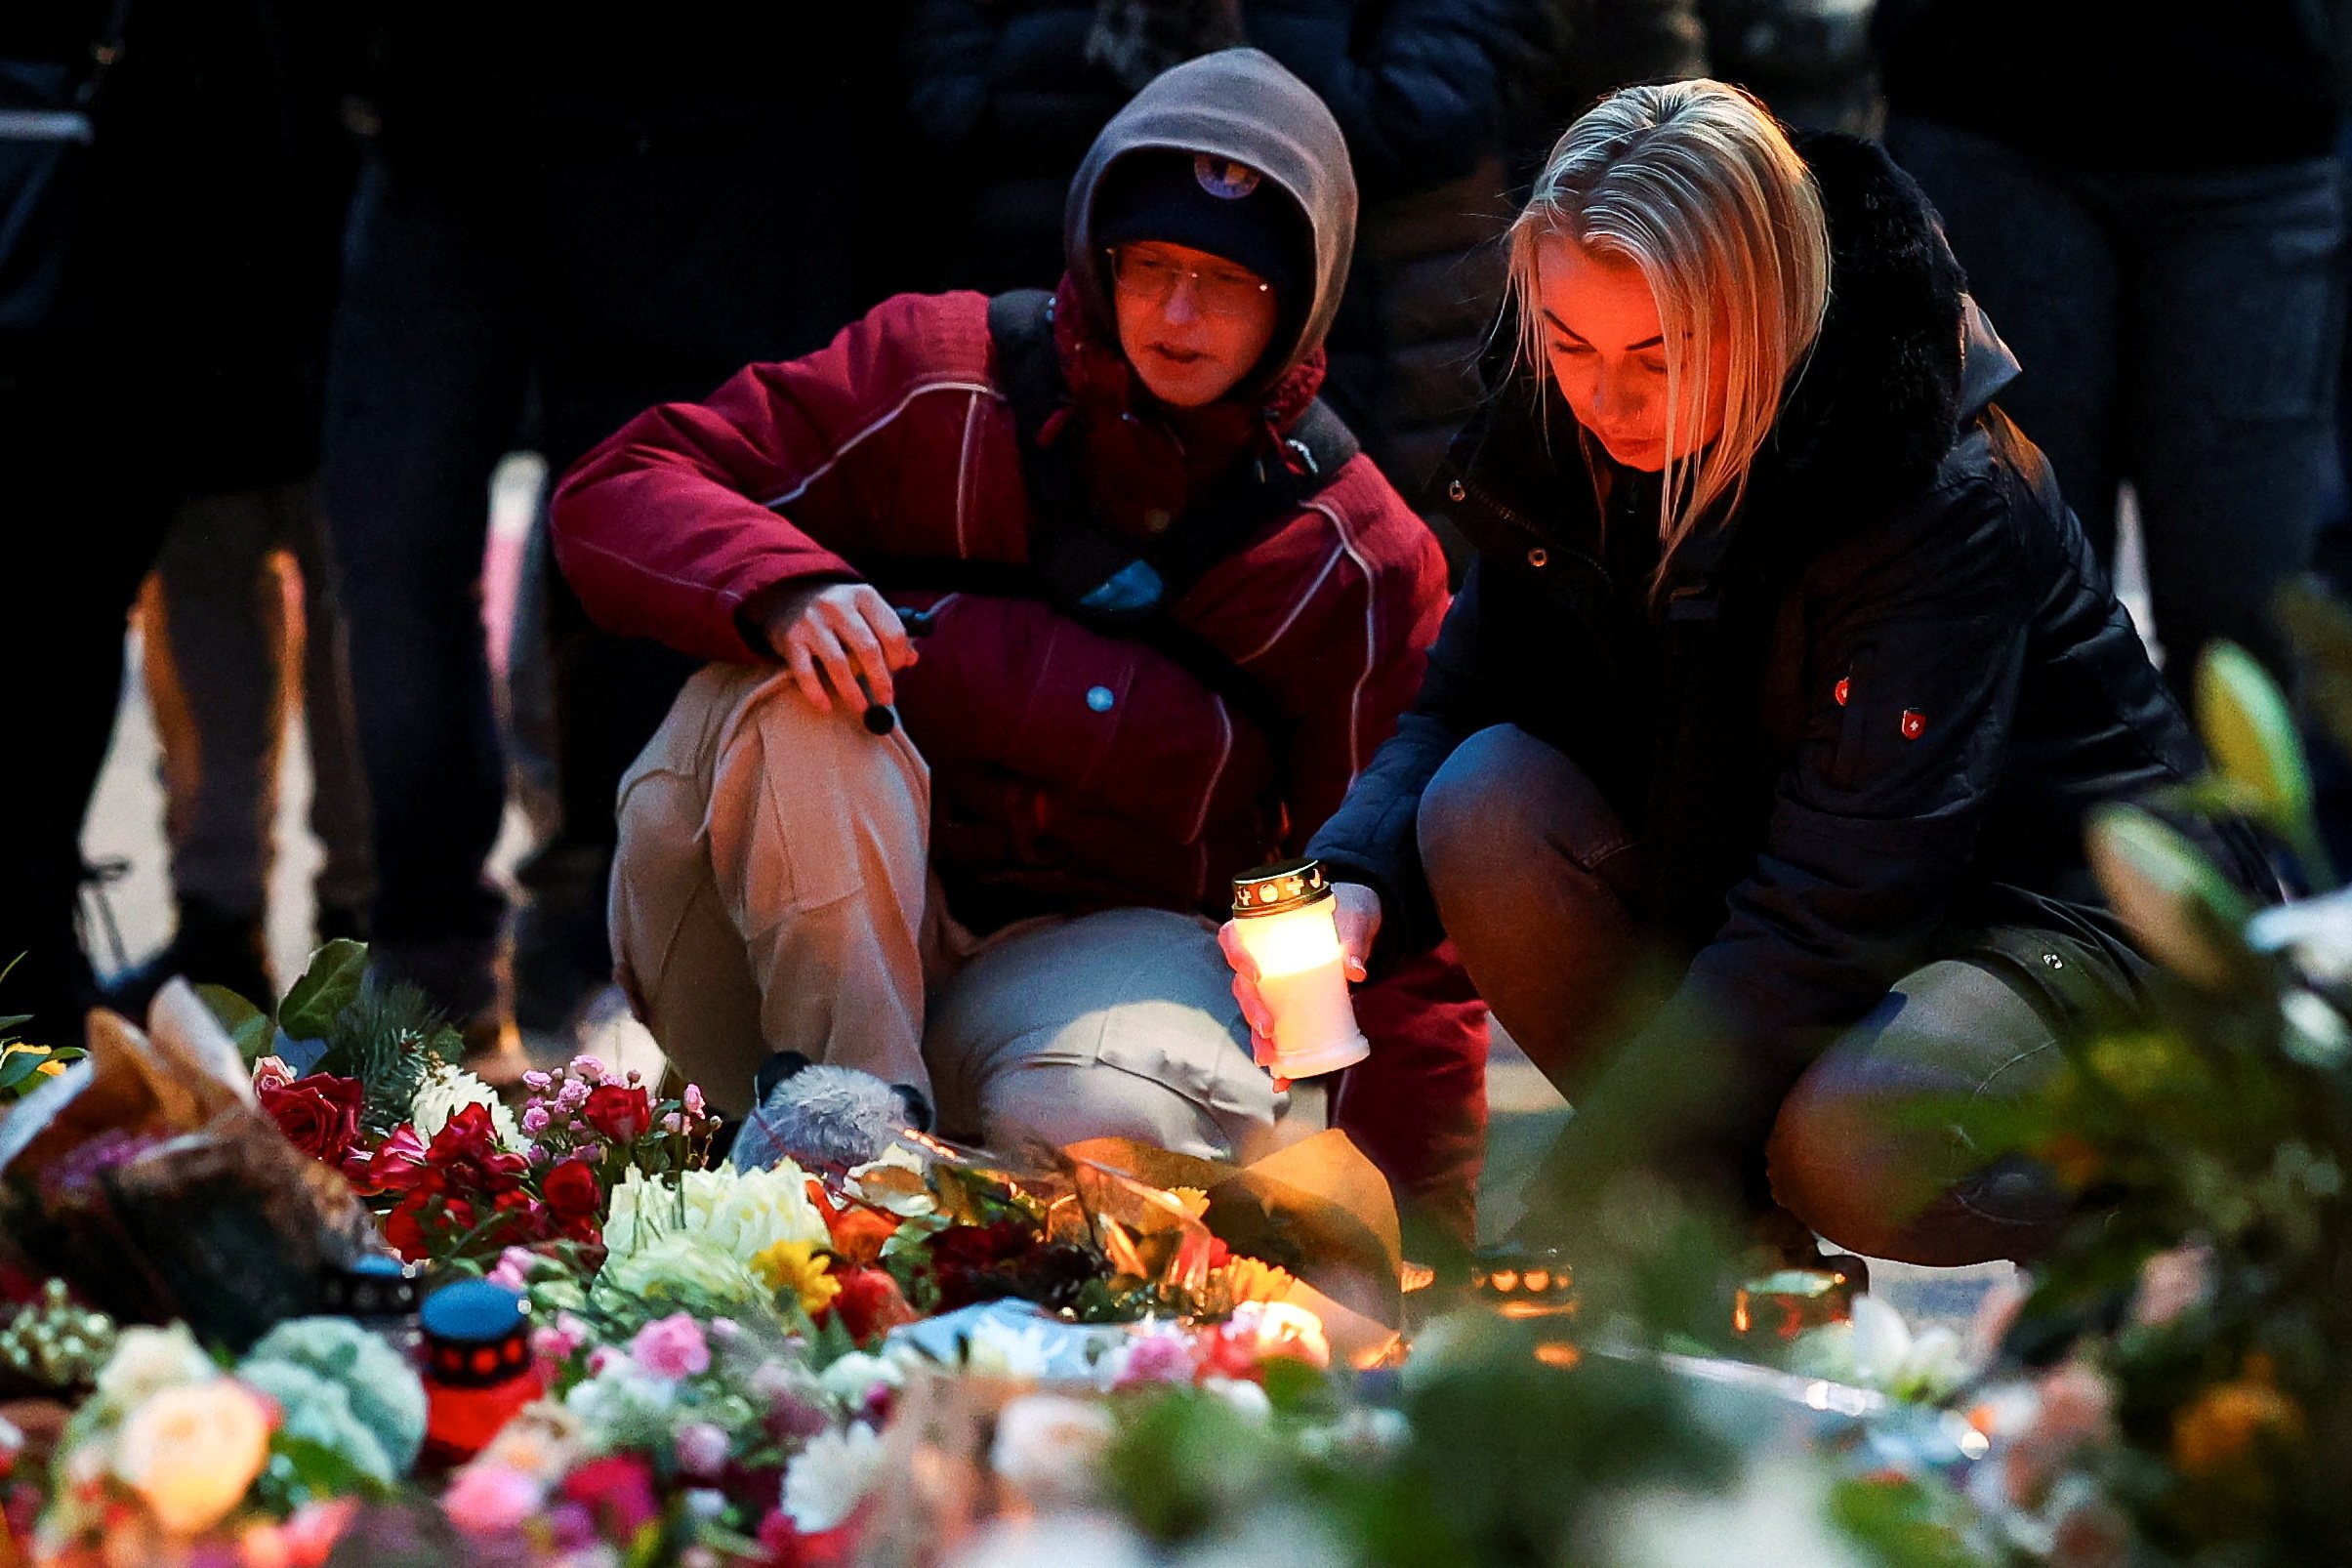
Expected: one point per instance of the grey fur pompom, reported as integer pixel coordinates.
(835, 1117)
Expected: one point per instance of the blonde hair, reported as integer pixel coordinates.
(1695, 184)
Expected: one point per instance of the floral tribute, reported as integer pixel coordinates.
(924, 1360)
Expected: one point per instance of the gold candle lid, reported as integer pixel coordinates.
(1284, 885)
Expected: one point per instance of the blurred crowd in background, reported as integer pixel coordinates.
(282, 283)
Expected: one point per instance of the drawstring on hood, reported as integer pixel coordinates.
(1145, 460)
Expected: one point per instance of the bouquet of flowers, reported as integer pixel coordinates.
(149, 1176)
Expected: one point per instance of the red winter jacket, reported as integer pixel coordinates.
(896, 444)
(1075, 767)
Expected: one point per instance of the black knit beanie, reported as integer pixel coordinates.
(1210, 204)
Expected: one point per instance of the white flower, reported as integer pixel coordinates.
(1242, 1394)
(448, 1090)
(622, 1397)
(854, 1377)
(744, 1212)
(1057, 1540)
(146, 1361)
(996, 1348)
(1879, 1350)
(1778, 1516)
(1049, 1445)
(831, 1476)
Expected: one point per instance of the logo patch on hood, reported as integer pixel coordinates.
(1222, 177)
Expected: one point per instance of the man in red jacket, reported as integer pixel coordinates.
(1166, 613)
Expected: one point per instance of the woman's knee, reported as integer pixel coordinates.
(1859, 1153)
(1500, 793)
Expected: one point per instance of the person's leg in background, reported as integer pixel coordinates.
(425, 389)
(85, 525)
(2042, 262)
(2332, 559)
(660, 255)
(2235, 336)
(214, 616)
(339, 815)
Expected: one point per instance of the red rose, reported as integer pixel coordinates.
(469, 1139)
(571, 1190)
(870, 1304)
(787, 1547)
(619, 1489)
(318, 1114)
(399, 1163)
(619, 1112)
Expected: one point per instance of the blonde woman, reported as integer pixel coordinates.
(1781, 651)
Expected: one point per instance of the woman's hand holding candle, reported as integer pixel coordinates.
(1356, 913)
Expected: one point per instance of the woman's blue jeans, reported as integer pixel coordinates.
(1533, 875)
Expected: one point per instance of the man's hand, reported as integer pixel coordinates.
(833, 635)
(1358, 914)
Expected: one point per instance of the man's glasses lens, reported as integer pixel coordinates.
(1155, 277)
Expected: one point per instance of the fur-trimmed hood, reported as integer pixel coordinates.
(1903, 360)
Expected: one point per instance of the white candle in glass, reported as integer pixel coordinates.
(1282, 915)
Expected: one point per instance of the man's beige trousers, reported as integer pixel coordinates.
(772, 893)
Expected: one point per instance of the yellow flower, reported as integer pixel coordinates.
(1251, 1279)
(797, 1267)
(2219, 1427)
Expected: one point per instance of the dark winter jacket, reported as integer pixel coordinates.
(1869, 710)
(1005, 96)
(210, 208)
(2120, 84)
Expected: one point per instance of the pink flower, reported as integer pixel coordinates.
(485, 1499)
(1157, 1358)
(272, 1072)
(573, 1095)
(702, 1450)
(692, 1099)
(535, 1079)
(572, 1525)
(514, 1268)
(535, 1119)
(560, 1340)
(587, 1068)
(671, 1348)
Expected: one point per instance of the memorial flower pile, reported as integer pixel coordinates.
(911, 1355)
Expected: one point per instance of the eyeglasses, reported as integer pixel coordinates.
(1154, 278)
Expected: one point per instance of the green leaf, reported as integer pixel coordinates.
(14, 1019)
(329, 985)
(2250, 732)
(18, 1065)
(248, 1025)
(2182, 911)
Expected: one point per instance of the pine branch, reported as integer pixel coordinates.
(388, 1037)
